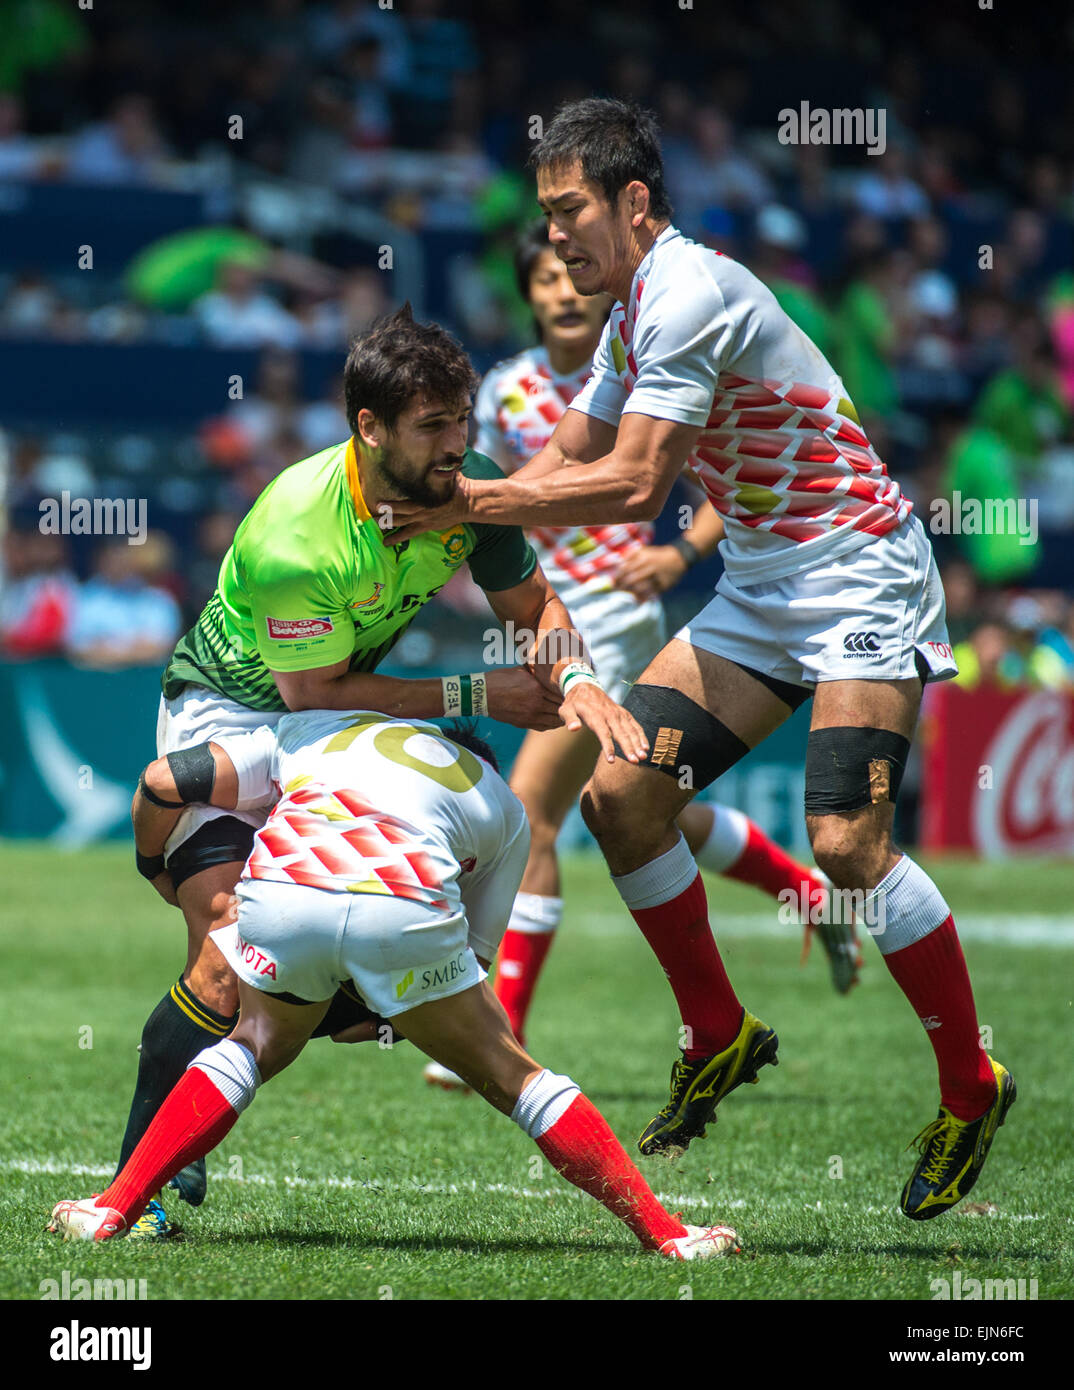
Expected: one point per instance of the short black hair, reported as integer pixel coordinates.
(615, 142)
(398, 359)
(464, 733)
(529, 246)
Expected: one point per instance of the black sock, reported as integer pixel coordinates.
(175, 1032)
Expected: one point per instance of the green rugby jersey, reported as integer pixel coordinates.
(308, 582)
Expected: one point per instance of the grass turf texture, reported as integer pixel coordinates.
(349, 1178)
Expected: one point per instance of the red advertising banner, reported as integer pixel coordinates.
(998, 774)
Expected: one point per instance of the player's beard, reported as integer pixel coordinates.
(427, 489)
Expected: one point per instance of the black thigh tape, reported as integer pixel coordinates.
(848, 768)
(219, 841)
(194, 770)
(685, 741)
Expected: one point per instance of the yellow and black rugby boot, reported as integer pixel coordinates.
(154, 1224)
(953, 1153)
(697, 1087)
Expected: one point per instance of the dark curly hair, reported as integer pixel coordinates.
(397, 360)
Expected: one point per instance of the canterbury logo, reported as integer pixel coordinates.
(666, 747)
(932, 1022)
(861, 642)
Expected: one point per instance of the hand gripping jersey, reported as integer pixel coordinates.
(517, 408)
(781, 455)
(382, 806)
(308, 582)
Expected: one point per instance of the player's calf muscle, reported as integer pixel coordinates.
(206, 900)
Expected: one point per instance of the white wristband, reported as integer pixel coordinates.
(452, 690)
(577, 671)
(479, 692)
(465, 695)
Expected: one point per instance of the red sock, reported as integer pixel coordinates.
(582, 1147)
(932, 974)
(679, 933)
(522, 954)
(763, 864)
(194, 1118)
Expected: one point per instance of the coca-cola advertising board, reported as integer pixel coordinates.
(998, 771)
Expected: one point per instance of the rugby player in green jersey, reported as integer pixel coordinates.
(308, 602)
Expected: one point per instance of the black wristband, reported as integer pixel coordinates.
(157, 800)
(687, 550)
(149, 866)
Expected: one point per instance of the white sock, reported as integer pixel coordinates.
(545, 1100)
(726, 840)
(904, 907)
(232, 1070)
(535, 914)
(660, 880)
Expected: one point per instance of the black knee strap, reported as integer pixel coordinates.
(848, 768)
(219, 841)
(685, 740)
(194, 771)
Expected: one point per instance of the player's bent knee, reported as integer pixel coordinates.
(685, 741)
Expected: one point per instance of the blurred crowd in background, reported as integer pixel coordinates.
(937, 276)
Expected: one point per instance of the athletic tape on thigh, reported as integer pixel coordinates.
(684, 739)
(848, 768)
(219, 841)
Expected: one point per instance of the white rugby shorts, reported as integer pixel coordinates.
(293, 939)
(864, 615)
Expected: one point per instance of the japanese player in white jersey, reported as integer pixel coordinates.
(609, 578)
(390, 859)
(830, 592)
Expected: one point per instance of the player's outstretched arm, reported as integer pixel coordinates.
(631, 483)
(577, 438)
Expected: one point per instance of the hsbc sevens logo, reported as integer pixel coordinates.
(861, 643)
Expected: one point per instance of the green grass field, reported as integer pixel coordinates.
(349, 1178)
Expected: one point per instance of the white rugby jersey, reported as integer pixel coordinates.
(517, 408)
(782, 455)
(369, 804)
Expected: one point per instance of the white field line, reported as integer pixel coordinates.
(673, 1201)
(1025, 929)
